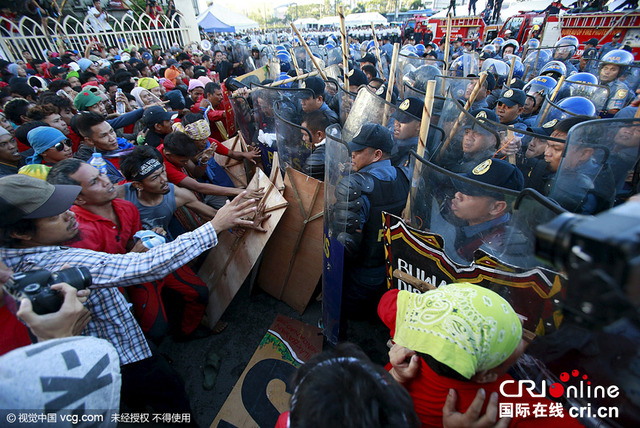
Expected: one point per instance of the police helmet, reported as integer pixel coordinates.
(541, 84)
(495, 66)
(618, 57)
(565, 48)
(555, 69)
(572, 106)
(510, 42)
(533, 43)
(583, 78)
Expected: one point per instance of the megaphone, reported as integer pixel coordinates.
(205, 45)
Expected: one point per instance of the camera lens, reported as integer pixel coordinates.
(31, 288)
(79, 278)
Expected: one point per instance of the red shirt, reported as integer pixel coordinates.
(174, 174)
(429, 390)
(13, 334)
(100, 234)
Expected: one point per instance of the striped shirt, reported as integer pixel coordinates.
(111, 317)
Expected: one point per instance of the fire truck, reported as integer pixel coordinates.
(601, 25)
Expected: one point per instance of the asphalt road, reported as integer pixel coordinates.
(249, 316)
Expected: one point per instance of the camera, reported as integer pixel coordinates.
(601, 257)
(36, 286)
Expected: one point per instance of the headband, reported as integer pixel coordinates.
(147, 168)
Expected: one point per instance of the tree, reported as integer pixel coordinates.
(415, 5)
(359, 8)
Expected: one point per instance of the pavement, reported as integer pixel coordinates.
(249, 316)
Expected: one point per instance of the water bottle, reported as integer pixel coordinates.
(97, 161)
(120, 109)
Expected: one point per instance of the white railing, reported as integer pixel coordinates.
(70, 34)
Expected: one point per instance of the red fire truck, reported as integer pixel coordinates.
(584, 26)
(601, 25)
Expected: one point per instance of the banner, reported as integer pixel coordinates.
(534, 293)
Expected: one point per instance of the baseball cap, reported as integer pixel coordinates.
(495, 172)
(85, 99)
(490, 80)
(592, 41)
(22, 196)
(546, 128)
(193, 83)
(374, 136)
(368, 58)
(484, 114)
(413, 107)
(314, 83)
(356, 77)
(511, 97)
(155, 114)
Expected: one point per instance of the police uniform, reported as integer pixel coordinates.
(619, 95)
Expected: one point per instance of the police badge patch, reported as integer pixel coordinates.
(482, 167)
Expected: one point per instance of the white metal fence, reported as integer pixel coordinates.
(70, 34)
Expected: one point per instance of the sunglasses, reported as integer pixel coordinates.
(60, 146)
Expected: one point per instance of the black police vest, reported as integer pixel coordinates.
(389, 196)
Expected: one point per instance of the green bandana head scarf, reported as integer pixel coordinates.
(466, 327)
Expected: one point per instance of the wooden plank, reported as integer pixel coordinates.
(292, 263)
(234, 168)
(260, 395)
(229, 262)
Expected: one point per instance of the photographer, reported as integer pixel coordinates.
(36, 221)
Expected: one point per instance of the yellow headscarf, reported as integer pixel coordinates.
(466, 327)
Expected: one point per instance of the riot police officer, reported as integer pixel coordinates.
(373, 186)
(613, 66)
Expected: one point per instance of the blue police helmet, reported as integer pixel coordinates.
(572, 106)
(583, 78)
(420, 49)
(555, 69)
(541, 84)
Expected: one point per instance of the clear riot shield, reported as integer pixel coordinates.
(597, 165)
(632, 76)
(416, 72)
(294, 142)
(240, 53)
(333, 72)
(336, 223)
(534, 61)
(368, 107)
(320, 52)
(263, 117)
(345, 101)
(597, 94)
(303, 60)
(469, 140)
(409, 63)
(438, 101)
(459, 87)
(440, 203)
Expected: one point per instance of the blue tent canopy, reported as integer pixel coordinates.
(212, 24)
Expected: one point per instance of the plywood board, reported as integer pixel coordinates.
(263, 390)
(292, 263)
(229, 262)
(236, 169)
